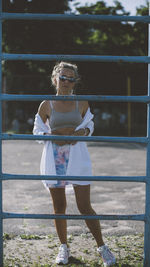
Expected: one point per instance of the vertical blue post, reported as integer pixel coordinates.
(147, 207)
(1, 208)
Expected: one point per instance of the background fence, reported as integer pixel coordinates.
(144, 99)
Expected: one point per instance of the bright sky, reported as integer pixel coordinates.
(129, 5)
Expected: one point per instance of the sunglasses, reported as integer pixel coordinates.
(64, 78)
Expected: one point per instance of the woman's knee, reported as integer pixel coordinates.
(59, 200)
(82, 194)
(85, 209)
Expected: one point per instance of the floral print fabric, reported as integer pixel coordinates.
(61, 157)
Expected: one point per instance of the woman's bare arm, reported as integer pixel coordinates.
(44, 110)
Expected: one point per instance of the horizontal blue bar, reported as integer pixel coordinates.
(73, 17)
(140, 217)
(6, 176)
(75, 138)
(99, 98)
(91, 58)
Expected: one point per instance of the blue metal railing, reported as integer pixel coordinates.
(144, 99)
(1, 189)
(133, 59)
(73, 17)
(103, 98)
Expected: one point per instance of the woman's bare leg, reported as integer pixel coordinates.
(59, 204)
(82, 194)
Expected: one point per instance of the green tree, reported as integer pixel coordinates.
(45, 37)
(116, 38)
(34, 36)
(55, 37)
(113, 38)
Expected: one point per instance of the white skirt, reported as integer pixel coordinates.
(58, 160)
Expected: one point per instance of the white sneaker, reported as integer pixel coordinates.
(107, 256)
(63, 255)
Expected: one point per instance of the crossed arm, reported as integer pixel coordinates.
(45, 111)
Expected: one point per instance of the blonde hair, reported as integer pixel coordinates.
(64, 65)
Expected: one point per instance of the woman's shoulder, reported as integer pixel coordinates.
(44, 110)
(45, 105)
(83, 106)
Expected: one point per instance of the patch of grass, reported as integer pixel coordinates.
(26, 208)
(30, 237)
(70, 238)
(7, 236)
(52, 246)
(50, 237)
(128, 251)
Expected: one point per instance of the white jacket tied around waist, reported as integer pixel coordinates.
(79, 163)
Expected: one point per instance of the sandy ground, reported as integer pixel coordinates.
(107, 197)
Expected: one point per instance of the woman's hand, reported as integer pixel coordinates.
(80, 132)
(63, 131)
(69, 131)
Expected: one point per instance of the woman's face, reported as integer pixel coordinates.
(65, 82)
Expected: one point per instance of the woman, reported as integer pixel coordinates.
(68, 157)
